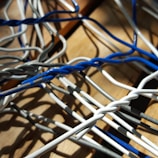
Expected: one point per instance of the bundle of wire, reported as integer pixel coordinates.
(40, 69)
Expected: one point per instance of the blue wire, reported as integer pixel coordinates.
(95, 62)
(124, 144)
(31, 21)
(68, 69)
(120, 54)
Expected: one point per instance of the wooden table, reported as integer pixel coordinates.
(20, 138)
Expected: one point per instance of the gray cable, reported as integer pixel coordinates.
(27, 115)
(137, 122)
(139, 114)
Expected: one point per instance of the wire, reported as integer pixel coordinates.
(67, 69)
(140, 114)
(31, 21)
(7, 38)
(78, 117)
(118, 2)
(124, 144)
(75, 90)
(84, 140)
(136, 121)
(51, 31)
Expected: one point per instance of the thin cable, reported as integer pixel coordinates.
(75, 90)
(44, 19)
(78, 117)
(52, 31)
(67, 69)
(140, 114)
(126, 145)
(136, 121)
(7, 39)
(120, 5)
(84, 140)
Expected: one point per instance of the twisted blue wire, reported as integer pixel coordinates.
(95, 62)
(45, 18)
(32, 21)
(68, 69)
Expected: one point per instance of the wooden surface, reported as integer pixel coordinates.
(19, 137)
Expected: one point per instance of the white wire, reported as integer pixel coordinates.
(78, 117)
(9, 50)
(153, 4)
(39, 34)
(147, 143)
(58, 124)
(6, 100)
(62, 39)
(7, 38)
(91, 27)
(22, 33)
(154, 75)
(23, 27)
(66, 135)
(52, 30)
(111, 79)
(135, 28)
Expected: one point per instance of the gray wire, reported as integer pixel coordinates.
(104, 150)
(139, 114)
(27, 70)
(2, 57)
(105, 94)
(27, 115)
(136, 122)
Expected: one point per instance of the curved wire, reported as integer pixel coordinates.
(124, 144)
(7, 38)
(31, 21)
(120, 5)
(84, 140)
(75, 91)
(67, 69)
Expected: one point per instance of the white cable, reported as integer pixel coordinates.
(153, 4)
(143, 140)
(135, 28)
(52, 31)
(111, 79)
(62, 39)
(9, 50)
(66, 135)
(23, 27)
(78, 117)
(7, 38)
(91, 27)
(37, 28)
(58, 124)
(154, 75)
